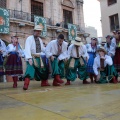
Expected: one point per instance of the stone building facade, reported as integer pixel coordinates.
(110, 16)
(57, 13)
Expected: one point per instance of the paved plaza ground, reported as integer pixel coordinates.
(75, 102)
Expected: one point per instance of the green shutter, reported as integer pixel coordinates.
(72, 31)
(42, 22)
(4, 21)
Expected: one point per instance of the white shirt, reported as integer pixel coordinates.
(111, 49)
(52, 49)
(3, 48)
(113, 41)
(30, 47)
(96, 65)
(90, 49)
(82, 51)
(12, 48)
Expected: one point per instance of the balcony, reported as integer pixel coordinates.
(64, 25)
(14, 14)
(20, 15)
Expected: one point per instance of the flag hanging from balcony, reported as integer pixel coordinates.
(4, 21)
(72, 31)
(42, 22)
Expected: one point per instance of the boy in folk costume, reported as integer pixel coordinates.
(103, 67)
(13, 66)
(36, 67)
(78, 56)
(56, 51)
(2, 54)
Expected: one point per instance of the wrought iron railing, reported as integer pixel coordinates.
(65, 25)
(25, 16)
(30, 18)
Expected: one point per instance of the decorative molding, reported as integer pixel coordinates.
(68, 3)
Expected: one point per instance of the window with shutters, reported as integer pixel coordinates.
(3, 3)
(36, 8)
(110, 2)
(114, 22)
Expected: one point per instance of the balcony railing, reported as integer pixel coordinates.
(15, 14)
(25, 16)
(65, 25)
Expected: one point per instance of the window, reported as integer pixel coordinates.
(36, 8)
(114, 22)
(3, 3)
(110, 2)
(67, 16)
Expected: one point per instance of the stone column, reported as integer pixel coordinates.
(52, 11)
(80, 13)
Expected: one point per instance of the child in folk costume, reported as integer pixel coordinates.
(91, 49)
(13, 65)
(103, 67)
(77, 55)
(56, 51)
(2, 54)
(36, 67)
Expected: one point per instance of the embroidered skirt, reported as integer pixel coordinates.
(117, 59)
(90, 62)
(13, 64)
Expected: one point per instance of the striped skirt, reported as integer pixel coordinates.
(90, 62)
(13, 64)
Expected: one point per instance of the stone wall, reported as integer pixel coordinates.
(107, 11)
(53, 9)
